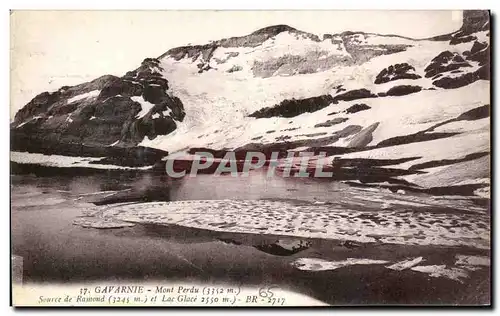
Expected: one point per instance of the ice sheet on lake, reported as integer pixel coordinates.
(472, 260)
(438, 271)
(405, 264)
(314, 264)
(329, 221)
(100, 223)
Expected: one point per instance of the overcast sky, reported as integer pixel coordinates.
(50, 49)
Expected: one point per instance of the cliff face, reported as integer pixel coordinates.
(370, 95)
(108, 111)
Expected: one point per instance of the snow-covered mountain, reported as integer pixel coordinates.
(409, 112)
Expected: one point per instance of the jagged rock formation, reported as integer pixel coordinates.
(474, 21)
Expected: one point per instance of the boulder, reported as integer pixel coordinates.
(364, 137)
(358, 107)
(396, 72)
(354, 95)
(403, 90)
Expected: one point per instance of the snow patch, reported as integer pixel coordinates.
(483, 192)
(91, 94)
(64, 161)
(27, 121)
(146, 106)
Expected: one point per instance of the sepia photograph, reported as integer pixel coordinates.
(250, 158)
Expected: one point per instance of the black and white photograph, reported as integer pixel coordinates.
(250, 158)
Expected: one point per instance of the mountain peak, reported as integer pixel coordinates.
(275, 29)
(251, 40)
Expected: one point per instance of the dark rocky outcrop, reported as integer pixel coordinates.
(153, 193)
(42, 102)
(463, 80)
(339, 88)
(126, 88)
(473, 21)
(358, 107)
(367, 170)
(413, 138)
(284, 247)
(446, 162)
(97, 114)
(462, 39)
(448, 62)
(315, 144)
(471, 115)
(354, 95)
(426, 135)
(394, 186)
(332, 122)
(444, 62)
(480, 52)
(396, 72)
(235, 68)
(135, 156)
(402, 90)
(294, 107)
(475, 114)
(367, 162)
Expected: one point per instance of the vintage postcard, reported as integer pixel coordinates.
(250, 158)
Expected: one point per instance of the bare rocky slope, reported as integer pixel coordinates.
(387, 109)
